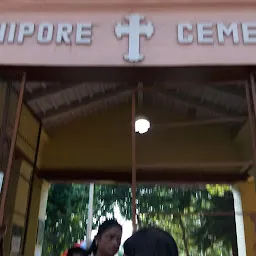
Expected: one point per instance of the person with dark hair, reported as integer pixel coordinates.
(77, 251)
(106, 242)
(150, 242)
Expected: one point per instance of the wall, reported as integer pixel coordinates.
(36, 213)
(248, 196)
(244, 143)
(150, 3)
(28, 134)
(41, 218)
(16, 205)
(21, 199)
(20, 180)
(28, 127)
(10, 205)
(247, 190)
(104, 141)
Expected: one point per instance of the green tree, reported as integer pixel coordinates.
(65, 217)
(215, 229)
(67, 211)
(169, 208)
(174, 209)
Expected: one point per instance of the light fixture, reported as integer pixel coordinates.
(142, 124)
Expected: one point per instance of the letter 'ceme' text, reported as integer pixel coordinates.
(210, 33)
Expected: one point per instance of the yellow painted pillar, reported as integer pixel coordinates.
(41, 217)
(248, 196)
(16, 206)
(10, 205)
(33, 217)
(33, 243)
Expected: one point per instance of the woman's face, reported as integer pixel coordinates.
(109, 242)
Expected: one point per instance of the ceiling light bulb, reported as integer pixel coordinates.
(142, 125)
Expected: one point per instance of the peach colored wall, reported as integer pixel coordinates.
(134, 3)
(106, 50)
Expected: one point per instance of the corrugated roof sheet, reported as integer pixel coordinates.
(73, 99)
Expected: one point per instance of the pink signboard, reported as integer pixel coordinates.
(170, 38)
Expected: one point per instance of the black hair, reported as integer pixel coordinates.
(107, 224)
(77, 251)
(150, 242)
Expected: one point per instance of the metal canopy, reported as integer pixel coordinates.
(205, 95)
(57, 95)
(56, 104)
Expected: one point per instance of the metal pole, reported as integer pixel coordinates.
(12, 148)
(252, 122)
(90, 215)
(133, 164)
(205, 122)
(3, 135)
(252, 80)
(31, 182)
